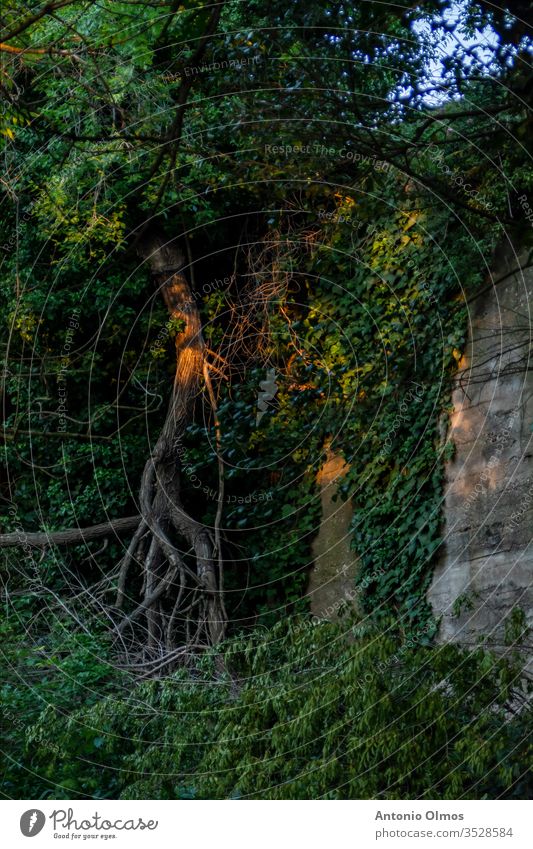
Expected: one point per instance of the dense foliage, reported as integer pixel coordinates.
(338, 189)
(299, 713)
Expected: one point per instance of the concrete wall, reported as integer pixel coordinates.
(487, 557)
(332, 577)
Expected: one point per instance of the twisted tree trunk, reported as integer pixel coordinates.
(178, 595)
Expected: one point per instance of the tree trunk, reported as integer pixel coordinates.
(176, 593)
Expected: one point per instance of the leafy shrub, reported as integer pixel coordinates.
(303, 712)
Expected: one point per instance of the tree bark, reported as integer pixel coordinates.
(70, 536)
(193, 591)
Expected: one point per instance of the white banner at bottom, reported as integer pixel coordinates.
(268, 825)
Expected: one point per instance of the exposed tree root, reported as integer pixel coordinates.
(180, 559)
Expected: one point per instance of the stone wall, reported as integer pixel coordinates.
(486, 566)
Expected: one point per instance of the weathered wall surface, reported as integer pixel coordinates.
(332, 578)
(486, 566)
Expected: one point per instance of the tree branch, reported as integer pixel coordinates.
(70, 536)
(32, 19)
